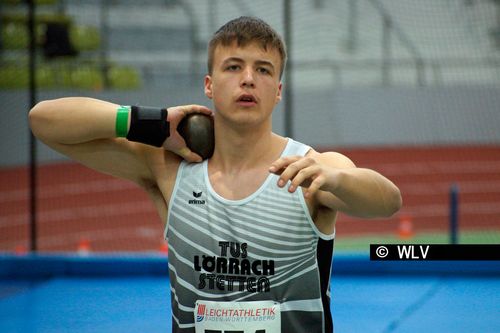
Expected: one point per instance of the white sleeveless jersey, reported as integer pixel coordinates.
(261, 248)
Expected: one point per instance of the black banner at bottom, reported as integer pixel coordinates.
(380, 252)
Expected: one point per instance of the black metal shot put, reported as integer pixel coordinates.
(197, 129)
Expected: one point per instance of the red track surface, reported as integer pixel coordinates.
(76, 204)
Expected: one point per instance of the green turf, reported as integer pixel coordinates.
(362, 243)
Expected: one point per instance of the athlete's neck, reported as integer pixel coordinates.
(237, 149)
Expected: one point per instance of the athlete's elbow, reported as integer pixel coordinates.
(39, 119)
(394, 201)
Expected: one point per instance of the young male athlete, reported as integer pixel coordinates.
(251, 229)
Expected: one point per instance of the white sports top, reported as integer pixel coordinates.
(264, 247)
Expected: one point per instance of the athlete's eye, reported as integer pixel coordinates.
(233, 68)
(263, 70)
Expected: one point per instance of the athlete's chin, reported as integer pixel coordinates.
(248, 121)
(246, 118)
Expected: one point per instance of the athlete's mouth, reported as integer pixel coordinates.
(247, 98)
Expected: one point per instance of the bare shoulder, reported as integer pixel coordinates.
(331, 158)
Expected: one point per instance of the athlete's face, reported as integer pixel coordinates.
(245, 83)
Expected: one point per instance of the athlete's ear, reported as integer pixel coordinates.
(208, 86)
(278, 95)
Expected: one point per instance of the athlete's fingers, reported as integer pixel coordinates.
(176, 144)
(278, 166)
(188, 155)
(177, 113)
(315, 185)
(288, 173)
(293, 169)
(304, 177)
(195, 108)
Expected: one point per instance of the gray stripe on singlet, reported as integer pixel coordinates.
(213, 231)
(274, 216)
(261, 228)
(310, 305)
(190, 219)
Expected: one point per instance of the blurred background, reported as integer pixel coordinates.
(408, 88)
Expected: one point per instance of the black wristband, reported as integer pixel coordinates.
(148, 125)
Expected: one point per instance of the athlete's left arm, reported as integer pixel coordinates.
(338, 184)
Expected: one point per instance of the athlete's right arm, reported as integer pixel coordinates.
(84, 130)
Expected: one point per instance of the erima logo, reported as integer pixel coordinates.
(196, 201)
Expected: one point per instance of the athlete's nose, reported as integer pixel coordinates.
(247, 79)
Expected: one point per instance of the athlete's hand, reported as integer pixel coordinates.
(307, 172)
(175, 143)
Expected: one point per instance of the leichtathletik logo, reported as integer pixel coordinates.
(201, 312)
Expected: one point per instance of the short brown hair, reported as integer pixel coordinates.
(245, 30)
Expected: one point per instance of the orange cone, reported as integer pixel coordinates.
(164, 247)
(405, 229)
(83, 247)
(20, 250)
